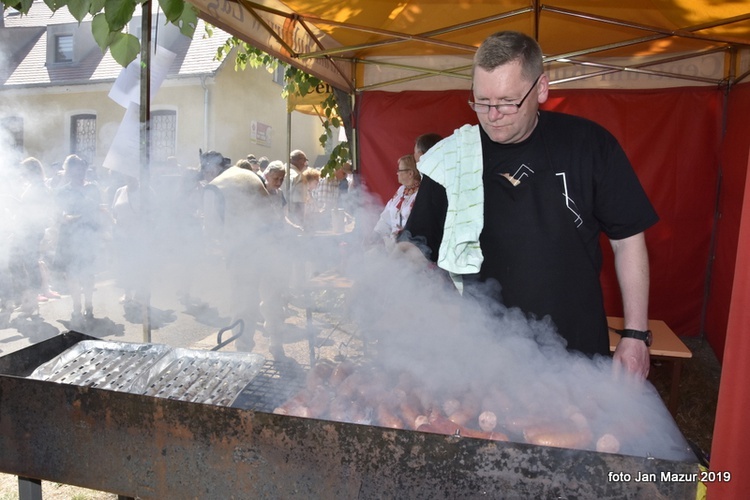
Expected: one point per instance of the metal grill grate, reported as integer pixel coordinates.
(272, 386)
(154, 370)
(104, 365)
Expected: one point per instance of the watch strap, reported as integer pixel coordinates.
(644, 335)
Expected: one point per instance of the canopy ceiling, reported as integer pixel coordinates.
(428, 44)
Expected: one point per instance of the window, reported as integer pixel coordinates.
(83, 136)
(163, 134)
(278, 74)
(12, 131)
(63, 48)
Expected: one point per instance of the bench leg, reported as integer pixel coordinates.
(674, 392)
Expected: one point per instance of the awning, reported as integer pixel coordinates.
(428, 45)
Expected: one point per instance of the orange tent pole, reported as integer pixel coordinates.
(730, 450)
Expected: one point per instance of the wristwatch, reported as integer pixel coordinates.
(636, 334)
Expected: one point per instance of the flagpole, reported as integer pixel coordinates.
(145, 150)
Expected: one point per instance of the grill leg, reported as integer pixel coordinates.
(29, 489)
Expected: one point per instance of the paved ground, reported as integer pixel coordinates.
(180, 325)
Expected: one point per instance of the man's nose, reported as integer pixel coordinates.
(494, 114)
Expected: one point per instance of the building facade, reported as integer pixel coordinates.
(55, 86)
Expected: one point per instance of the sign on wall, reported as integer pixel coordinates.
(260, 133)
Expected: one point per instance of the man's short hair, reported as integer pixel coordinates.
(425, 141)
(296, 155)
(244, 164)
(214, 159)
(275, 166)
(505, 47)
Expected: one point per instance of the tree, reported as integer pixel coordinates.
(111, 17)
(297, 82)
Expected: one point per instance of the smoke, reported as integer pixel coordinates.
(411, 315)
(517, 365)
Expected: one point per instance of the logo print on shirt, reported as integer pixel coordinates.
(518, 175)
(569, 202)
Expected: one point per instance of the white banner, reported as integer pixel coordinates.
(127, 87)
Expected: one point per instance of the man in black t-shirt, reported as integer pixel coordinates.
(522, 198)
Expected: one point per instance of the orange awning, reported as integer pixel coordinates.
(428, 45)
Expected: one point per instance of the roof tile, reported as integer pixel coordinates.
(28, 67)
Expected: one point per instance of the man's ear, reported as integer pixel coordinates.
(543, 88)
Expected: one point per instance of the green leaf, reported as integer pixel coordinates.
(96, 6)
(125, 48)
(54, 5)
(79, 8)
(22, 6)
(172, 9)
(187, 21)
(100, 30)
(119, 13)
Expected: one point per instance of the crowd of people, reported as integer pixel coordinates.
(62, 228)
(50, 226)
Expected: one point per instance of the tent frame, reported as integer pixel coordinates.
(336, 55)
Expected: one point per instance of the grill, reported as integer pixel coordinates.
(143, 446)
(153, 370)
(274, 384)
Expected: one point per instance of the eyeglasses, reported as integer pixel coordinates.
(506, 109)
(403, 170)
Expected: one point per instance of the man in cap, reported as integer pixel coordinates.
(238, 208)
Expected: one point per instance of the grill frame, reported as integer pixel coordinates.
(146, 447)
(154, 370)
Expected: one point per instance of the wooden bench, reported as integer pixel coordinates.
(666, 346)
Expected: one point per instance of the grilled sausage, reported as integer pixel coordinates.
(608, 443)
(340, 373)
(450, 406)
(558, 434)
(387, 418)
(440, 424)
(410, 410)
(465, 415)
(319, 374)
(487, 421)
(472, 433)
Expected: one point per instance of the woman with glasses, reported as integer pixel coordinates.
(396, 212)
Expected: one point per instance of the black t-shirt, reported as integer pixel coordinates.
(598, 191)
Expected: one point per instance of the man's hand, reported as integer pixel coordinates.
(632, 354)
(411, 252)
